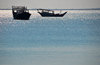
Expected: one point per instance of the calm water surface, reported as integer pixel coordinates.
(71, 40)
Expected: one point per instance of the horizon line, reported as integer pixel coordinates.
(59, 8)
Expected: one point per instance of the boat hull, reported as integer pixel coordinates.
(21, 16)
(51, 15)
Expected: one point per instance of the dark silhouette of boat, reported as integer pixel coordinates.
(50, 13)
(20, 13)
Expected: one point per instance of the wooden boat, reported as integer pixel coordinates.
(49, 13)
(20, 12)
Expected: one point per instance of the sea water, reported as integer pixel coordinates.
(70, 40)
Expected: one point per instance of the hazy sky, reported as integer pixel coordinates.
(51, 3)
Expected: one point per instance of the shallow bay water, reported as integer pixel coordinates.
(70, 40)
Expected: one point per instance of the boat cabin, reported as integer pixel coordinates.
(19, 9)
(45, 11)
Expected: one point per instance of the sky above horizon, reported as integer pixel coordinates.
(62, 4)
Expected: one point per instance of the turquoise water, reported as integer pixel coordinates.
(71, 40)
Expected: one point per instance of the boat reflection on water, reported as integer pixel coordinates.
(20, 13)
(50, 13)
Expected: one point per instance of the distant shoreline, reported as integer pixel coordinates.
(62, 9)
